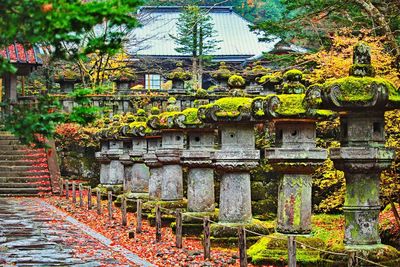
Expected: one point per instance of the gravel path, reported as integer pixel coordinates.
(34, 233)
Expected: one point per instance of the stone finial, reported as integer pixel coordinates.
(362, 61)
(362, 54)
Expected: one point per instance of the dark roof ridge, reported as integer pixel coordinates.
(178, 8)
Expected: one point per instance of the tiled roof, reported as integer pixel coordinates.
(18, 53)
(237, 41)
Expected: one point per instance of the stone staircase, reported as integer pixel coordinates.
(23, 170)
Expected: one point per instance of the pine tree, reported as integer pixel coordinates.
(196, 37)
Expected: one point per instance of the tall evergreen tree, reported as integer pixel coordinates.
(196, 37)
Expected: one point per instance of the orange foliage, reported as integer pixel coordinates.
(335, 63)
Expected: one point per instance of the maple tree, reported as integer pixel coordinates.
(43, 22)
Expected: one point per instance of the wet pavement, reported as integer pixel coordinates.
(33, 234)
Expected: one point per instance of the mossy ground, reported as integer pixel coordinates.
(327, 234)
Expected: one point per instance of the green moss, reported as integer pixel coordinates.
(236, 81)
(191, 116)
(155, 111)
(356, 89)
(272, 249)
(269, 78)
(179, 74)
(222, 72)
(141, 112)
(229, 106)
(171, 100)
(291, 104)
(201, 93)
(293, 88)
(362, 70)
(293, 75)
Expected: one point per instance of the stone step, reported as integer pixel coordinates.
(20, 195)
(22, 174)
(19, 152)
(16, 191)
(13, 147)
(21, 168)
(22, 179)
(8, 137)
(9, 142)
(22, 157)
(23, 185)
(21, 162)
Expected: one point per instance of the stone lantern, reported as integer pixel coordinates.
(136, 172)
(361, 101)
(112, 170)
(169, 155)
(154, 165)
(178, 77)
(234, 161)
(252, 75)
(101, 156)
(294, 156)
(221, 75)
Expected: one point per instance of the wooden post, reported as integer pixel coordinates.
(61, 187)
(242, 246)
(291, 251)
(73, 192)
(67, 189)
(158, 223)
(110, 215)
(123, 210)
(80, 188)
(178, 228)
(98, 201)
(207, 241)
(89, 198)
(139, 216)
(353, 261)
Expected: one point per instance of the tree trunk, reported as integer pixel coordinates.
(380, 19)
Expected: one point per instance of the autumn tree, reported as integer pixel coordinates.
(195, 37)
(45, 23)
(60, 26)
(313, 22)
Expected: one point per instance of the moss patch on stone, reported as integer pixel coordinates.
(272, 249)
(191, 116)
(293, 75)
(358, 89)
(230, 106)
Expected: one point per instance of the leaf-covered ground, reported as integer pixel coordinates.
(144, 245)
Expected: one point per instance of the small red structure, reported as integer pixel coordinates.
(25, 58)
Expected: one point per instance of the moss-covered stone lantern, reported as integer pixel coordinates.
(221, 75)
(234, 161)
(178, 77)
(252, 75)
(169, 155)
(136, 172)
(112, 170)
(294, 156)
(361, 100)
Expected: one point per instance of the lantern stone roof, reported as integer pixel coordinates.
(18, 53)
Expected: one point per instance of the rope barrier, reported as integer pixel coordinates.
(170, 211)
(368, 261)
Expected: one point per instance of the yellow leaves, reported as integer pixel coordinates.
(336, 62)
